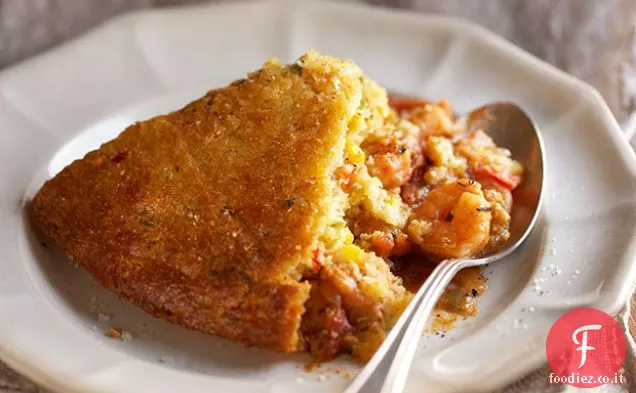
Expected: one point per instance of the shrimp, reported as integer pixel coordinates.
(453, 221)
(434, 119)
(377, 236)
(389, 162)
(393, 157)
(489, 161)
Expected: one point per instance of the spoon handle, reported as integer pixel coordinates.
(406, 348)
(373, 374)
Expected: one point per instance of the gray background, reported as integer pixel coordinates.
(591, 39)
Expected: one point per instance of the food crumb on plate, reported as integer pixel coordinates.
(119, 333)
(103, 317)
(114, 333)
(92, 304)
(166, 359)
(326, 372)
(126, 336)
(342, 371)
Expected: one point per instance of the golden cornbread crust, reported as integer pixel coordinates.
(203, 216)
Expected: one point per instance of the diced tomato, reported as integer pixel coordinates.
(382, 244)
(315, 259)
(401, 103)
(345, 175)
(509, 181)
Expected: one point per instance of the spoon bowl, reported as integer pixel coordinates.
(511, 128)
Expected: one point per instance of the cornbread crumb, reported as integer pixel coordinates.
(344, 372)
(92, 304)
(103, 317)
(126, 336)
(119, 333)
(419, 227)
(114, 333)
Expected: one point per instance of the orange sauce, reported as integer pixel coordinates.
(459, 298)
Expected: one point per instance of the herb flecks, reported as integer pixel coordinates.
(289, 203)
(484, 209)
(449, 217)
(363, 104)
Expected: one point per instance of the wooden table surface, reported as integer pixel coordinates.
(592, 39)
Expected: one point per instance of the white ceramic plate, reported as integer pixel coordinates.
(58, 106)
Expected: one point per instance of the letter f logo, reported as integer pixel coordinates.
(583, 344)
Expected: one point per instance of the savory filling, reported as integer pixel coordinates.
(413, 188)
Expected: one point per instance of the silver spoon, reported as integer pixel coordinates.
(510, 128)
